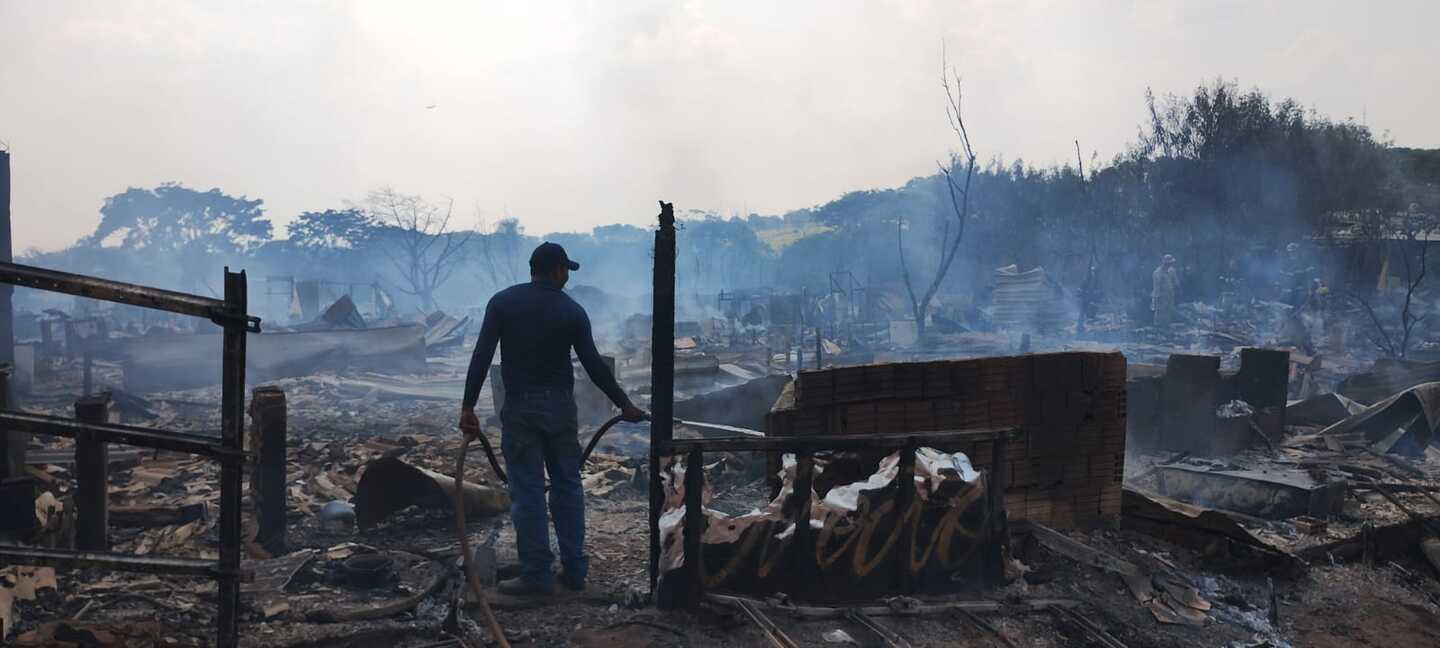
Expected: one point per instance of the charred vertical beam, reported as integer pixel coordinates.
(92, 498)
(13, 446)
(799, 346)
(694, 590)
(662, 373)
(1188, 398)
(267, 481)
(904, 501)
(819, 349)
(232, 422)
(7, 313)
(87, 381)
(806, 565)
(17, 491)
(1264, 383)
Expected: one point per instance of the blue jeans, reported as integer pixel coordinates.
(539, 433)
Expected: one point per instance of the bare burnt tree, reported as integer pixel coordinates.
(960, 162)
(415, 235)
(1394, 319)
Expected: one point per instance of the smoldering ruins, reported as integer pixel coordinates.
(1186, 396)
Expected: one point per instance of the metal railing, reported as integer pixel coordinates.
(230, 313)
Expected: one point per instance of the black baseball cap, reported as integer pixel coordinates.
(547, 255)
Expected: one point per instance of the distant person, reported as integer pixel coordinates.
(536, 325)
(1164, 283)
(1298, 273)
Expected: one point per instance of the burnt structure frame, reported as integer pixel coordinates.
(664, 446)
(229, 451)
(692, 591)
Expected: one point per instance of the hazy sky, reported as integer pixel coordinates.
(569, 115)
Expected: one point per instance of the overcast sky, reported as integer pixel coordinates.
(570, 115)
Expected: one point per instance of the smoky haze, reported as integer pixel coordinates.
(576, 115)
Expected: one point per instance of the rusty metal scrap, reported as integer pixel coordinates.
(389, 485)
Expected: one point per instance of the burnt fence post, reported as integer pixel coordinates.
(662, 374)
(232, 468)
(268, 421)
(92, 472)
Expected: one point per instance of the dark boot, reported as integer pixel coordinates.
(521, 586)
(569, 583)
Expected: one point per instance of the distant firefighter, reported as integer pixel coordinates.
(1164, 282)
(1297, 274)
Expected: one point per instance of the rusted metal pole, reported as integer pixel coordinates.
(24, 423)
(232, 422)
(120, 292)
(92, 471)
(268, 420)
(662, 373)
(111, 561)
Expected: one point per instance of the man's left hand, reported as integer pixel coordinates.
(633, 414)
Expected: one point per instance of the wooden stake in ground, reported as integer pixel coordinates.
(470, 576)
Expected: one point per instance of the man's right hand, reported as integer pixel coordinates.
(469, 423)
(633, 414)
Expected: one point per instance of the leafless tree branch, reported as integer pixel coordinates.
(959, 191)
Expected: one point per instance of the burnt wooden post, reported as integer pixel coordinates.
(694, 590)
(819, 349)
(1188, 399)
(662, 374)
(904, 500)
(997, 519)
(806, 564)
(267, 480)
(799, 348)
(92, 497)
(7, 313)
(13, 446)
(86, 378)
(17, 490)
(232, 468)
(1264, 383)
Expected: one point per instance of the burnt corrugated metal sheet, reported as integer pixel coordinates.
(1029, 301)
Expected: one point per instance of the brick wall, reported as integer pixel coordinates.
(1064, 470)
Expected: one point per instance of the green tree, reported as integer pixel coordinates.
(192, 227)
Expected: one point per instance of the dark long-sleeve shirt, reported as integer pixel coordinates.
(536, 325)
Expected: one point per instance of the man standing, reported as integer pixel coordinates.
(1164, 283)
(536, 325)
